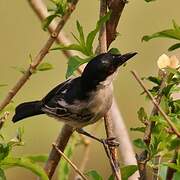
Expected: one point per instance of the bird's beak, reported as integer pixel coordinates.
(121, 59)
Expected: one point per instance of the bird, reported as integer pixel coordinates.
(79, 101)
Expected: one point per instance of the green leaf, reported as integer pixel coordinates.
(81, 33)
(173, 47)
(94, 175)
(154, 79)
(142, 116)
(128, 171)
(48, 21)
(3, 85)
(38, 158)
(169, 33)
(2, 175)
(73, 63)
(20, 69)
(176, 176)
(91, 36)
(139, 143)
(75, 47)
(139, 129)
(4, 150)
(45, 66)
(9, 162)
(114, 51)
(20, 132)
(150, 0)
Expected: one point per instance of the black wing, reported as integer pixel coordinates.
(55, 91)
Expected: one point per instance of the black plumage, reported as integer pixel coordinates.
(82, 100)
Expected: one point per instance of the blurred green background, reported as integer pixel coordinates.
(21, 34)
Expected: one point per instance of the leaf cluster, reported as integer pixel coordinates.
(163, 141)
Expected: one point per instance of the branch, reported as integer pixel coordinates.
(116, 7)
(69, 161)
(112, 155)
(39, 57)
(172, 126)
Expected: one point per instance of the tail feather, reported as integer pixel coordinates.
(27, 109)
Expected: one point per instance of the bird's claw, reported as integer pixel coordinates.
(111, 142)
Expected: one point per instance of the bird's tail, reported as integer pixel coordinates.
(27, 109)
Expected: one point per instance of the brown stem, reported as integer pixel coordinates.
(39, 57)
(116, 7)
(54, 156)
(107, 118)
(172, 126)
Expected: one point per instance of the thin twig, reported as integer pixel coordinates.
(39, 57)
(3, 118)
(174, 129)
(55, 157)
(69, 161)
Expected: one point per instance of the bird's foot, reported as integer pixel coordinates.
(111, 142)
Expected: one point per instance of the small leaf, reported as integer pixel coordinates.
(20, 69)
(3, 85)
(94, 175)
(114, 51)
(20, 132)
(128, 171)
(73, 63)
(45, 66)
(4, 150)
(173, 47)
(75, 47)
(154, 79)
(81, 33)
(2, 175)
(150, 0)
(139, 143)
(139, 129)
(91, 36)
(48, 21)
(38, 158)
(142, 116)
(9, 162)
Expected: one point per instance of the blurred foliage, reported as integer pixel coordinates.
(8, 160)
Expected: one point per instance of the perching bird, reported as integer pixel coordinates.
(82, 100)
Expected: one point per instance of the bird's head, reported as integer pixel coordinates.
(102, 68)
